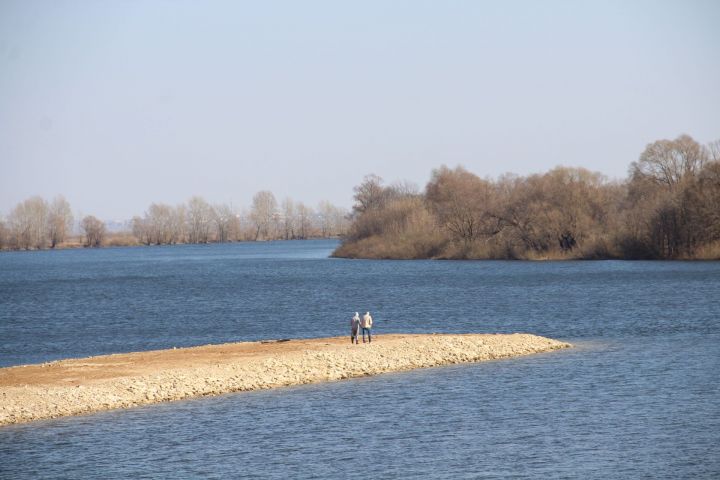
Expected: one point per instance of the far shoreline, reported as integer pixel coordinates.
(549, 259)
(77, 246)
(333, 255)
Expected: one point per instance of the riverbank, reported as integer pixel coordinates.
(127, 239)
(77, 386)
(403, 247)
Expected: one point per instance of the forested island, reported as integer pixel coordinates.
(667, 208)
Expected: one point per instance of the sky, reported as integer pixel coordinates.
(119, 104)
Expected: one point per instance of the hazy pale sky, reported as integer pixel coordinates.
(118, 104)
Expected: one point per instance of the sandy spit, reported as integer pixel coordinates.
(77, 386)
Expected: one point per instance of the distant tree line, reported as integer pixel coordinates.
(38, 224)
(197, 221)
(668, 208)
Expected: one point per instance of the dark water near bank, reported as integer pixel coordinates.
(639, 396)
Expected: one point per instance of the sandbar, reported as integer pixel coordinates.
(126, 380)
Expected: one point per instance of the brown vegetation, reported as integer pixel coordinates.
(35, 224)
(94, 231)
(668, 208)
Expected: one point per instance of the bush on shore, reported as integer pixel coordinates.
(666, 209)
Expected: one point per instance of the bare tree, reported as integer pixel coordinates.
(403, 189)
(304, 220)
(141, 229)
(289, 215)
(94, 231)
(325, 217)
(668, 162)
(60, 221)
(199, 220)
(227, 223)
(262, 212)
(713, 151)
(177, 224)
(708, 215)
(277, 225)
(28, 223)
(161, 223)
(369, 194)
(4, 235)
(463, 203)
(666, 194)
(332, 219)
(338, 220)
(20, 227)
(246, 226)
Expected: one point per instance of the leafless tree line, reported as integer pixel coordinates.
(669, 207)
(197, 221)
(36, 224)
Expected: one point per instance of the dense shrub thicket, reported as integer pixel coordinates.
(668, 208)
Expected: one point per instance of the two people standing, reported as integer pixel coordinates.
(356, 324)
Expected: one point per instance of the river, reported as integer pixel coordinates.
(637, 397)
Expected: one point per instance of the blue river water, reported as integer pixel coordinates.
(638, 396)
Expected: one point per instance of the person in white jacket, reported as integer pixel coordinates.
(366, 325)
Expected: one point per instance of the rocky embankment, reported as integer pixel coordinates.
(77, 386)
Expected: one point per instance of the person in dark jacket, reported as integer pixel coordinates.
(354, 328)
